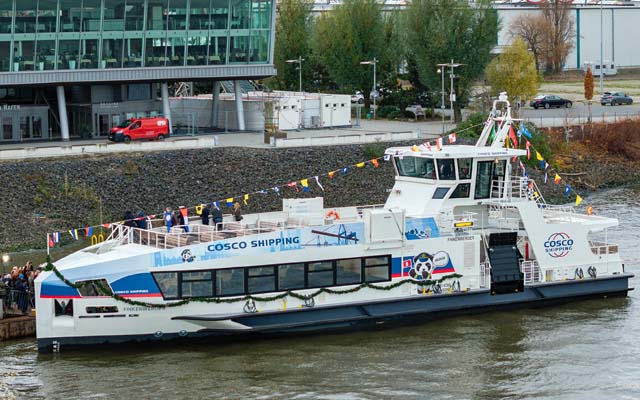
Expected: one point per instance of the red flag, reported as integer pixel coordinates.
(527, 145)
(512, 136)
(439, 143)
(375, 163)
(406, 263)
(50, 240)
(589, 210)
(452, 138)
(427, 145)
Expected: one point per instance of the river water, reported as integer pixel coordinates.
(584, 350)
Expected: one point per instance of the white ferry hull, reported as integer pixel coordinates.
(345, 317)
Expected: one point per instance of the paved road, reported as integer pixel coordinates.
(581, 111)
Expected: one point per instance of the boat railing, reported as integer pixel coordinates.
(531, 271)
(485, 274)
(516, 189)
(599, 248)
(458, 224)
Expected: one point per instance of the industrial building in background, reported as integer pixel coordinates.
(77, 68)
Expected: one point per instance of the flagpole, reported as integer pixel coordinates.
(48, 254)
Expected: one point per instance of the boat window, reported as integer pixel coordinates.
(64, 307)
(197, 284)
(440, 192)
(98, 287)
(102, 310)
(291, 276)
(377, 269)
(483, 179)
(462, 191)
(320, 274)
(416, 167)
(464, 168)
(168, 284)
(261, 279)
(230, 282)
(348, 271)
(446, 169)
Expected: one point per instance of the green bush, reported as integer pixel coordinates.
(472, 127)
(396, 114)
(384, 111)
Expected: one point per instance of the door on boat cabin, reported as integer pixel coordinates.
(490, 179)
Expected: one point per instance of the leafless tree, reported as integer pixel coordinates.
(530, 28)
(559, 31)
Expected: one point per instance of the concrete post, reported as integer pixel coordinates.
(216, 104)
(164, 90)
(62, 110)
(239, 105)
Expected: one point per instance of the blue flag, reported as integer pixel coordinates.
(567, 190)
(524, 131)
(542, 165)
(344, 170)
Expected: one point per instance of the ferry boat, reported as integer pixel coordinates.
(459, 232)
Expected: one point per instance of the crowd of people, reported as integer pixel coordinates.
(17, 289)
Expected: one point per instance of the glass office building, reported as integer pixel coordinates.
(62, 43)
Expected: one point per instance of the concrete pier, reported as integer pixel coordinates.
(17, 327)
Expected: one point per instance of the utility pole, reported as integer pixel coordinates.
(452, 94)
(601, 54)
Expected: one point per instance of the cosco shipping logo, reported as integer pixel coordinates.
(558, 244)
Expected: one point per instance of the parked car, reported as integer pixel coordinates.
(358, 98)
(550, 100)
(616, 98)
(140, 128)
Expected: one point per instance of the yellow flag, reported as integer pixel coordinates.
(246, 199)
(361, 164)
(539, 156)
(414, 148)
(578, 200)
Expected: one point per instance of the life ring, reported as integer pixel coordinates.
(334, 214)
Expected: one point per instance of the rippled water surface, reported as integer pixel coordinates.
(584, 350)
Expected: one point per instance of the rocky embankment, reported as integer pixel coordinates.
(57, 195)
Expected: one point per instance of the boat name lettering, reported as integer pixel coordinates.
(137, 309)
(254, 243)
(459, 238)
(558, 244)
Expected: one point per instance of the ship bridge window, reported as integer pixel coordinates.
(416, 167)
(377, 269)
(261, 280)
(98, 287)
(440, 193)
(197, 284)
(230, 282)
(462, 191)
(167, 283)
(464, 168)
(446, 169)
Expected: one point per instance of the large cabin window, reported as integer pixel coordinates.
(291, 276)
(348, 271)
(487, 173)
(462, 191)
(446, 169)
(168, 284)
(230, 282)
(261, 280)
(98, 287)
(320, 274)
(197, 284)
(376, 269)
(416, 167)
(464, 168)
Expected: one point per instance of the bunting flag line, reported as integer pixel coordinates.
(74, 234)
(216, 204)
(246, 200)
(374, 162)
(578, 200)
(492, 135)
(557, 179)
(305, 185)
(107, 225)
(318, 180)
(452, 138)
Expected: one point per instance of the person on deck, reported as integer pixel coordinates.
(237, 214)
(205, 215)
(216, 214)
(168, 219)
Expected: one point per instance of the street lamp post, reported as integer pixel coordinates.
(601, 55)
(452, 94)
(375, 88)
(441, 70)
(298, 61)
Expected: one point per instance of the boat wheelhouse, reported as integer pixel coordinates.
(460, 231)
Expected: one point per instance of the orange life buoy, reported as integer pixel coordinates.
(334, 214)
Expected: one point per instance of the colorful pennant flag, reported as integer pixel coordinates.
(276, 190)
(294, 185)
(492, 135)
(74, 234)
(546, 177)
(361, 164)
(415, 149)
(452, 138)
(230, 202)
(439, 143)
(246, 200)
(305, 185)
(589, 210)
(557, 179)
(88, 231)
(56, 237)
(107, 225)
(50, 240)
(512, 136)
(332, 173)
(427, 145)
(525, 131)
(527, 146)
(578, 200)
(387, 157)
(539, 156)
(318, 180)
(567, 190)
(344, 170)
(374, 162)
(216, 204)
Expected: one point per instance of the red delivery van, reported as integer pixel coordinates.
(140, 128)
